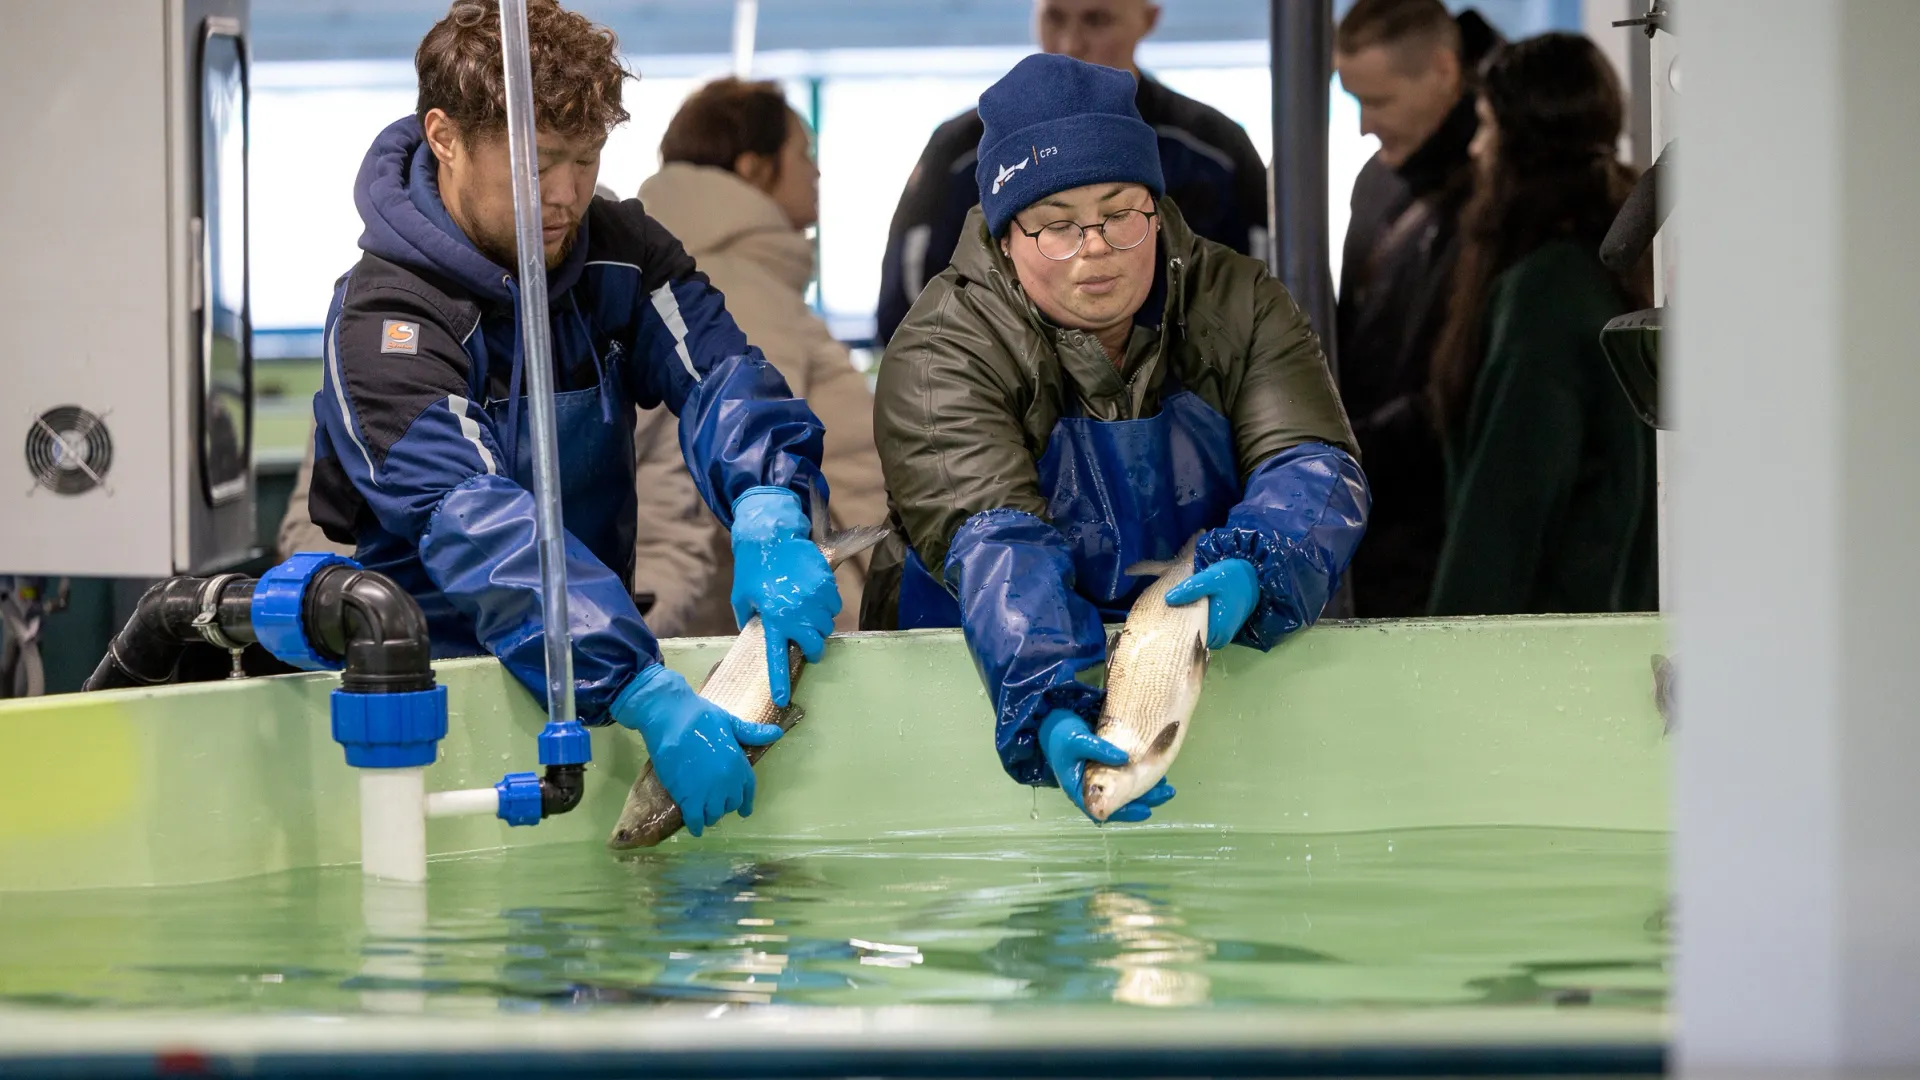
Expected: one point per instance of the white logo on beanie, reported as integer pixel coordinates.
(1006, 174)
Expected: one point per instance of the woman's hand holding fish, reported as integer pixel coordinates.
(694, 745)
(1232, 589)
(1069, 744)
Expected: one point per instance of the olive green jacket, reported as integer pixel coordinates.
(975, 378)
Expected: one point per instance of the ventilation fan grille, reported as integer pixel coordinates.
(69, 450)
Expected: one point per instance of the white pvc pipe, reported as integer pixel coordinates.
(471, 801)
(396, 922)
(393, 824)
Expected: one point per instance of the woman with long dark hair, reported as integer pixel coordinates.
(1550, 475)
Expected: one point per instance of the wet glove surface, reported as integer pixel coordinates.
(1231, 588)
(781, 576)
(1069, 744)
(694, 745)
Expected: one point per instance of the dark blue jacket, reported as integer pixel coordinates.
(409, 463)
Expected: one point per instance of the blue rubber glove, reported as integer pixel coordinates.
(781, 576)
(1232, 586)
(1069, 744)
(694, 745)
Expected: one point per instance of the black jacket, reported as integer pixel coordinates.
(1395, 286)
(1211, 168)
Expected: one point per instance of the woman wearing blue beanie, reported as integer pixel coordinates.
(1086, 387)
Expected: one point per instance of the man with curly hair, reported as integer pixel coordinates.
(422, 457)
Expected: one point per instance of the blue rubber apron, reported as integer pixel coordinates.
(594, 428)
(1122, 492)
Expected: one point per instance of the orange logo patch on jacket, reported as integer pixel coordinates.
(400, 337)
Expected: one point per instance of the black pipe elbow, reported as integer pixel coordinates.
(349, 615)
(375, 626)
(562, 789)
(170, 616)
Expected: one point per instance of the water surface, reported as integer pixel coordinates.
(1132, 918)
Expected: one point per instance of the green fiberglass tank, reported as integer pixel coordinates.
(1425, 835)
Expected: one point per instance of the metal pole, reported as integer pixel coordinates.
(746, 19)
(1302, 63)
(1301, 58)
(1663, 124)
(536, 339)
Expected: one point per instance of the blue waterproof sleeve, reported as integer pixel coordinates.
(1030, 633)
(1303, 514)
(740, 425)
(480, 549)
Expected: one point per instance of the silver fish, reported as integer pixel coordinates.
(1154, 671)
(738, 684)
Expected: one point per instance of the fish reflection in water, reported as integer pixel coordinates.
(716, 935)
(1112, 943)
(1149, 947)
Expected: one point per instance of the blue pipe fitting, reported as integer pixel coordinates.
(279, 603)
(390, 731)
(519, 798)
(565, 744)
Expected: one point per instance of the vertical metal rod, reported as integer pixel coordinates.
(746, 25)
(815, 93)
(1302, 62)
(1663, 104)
(1301, 58)
(536, 341)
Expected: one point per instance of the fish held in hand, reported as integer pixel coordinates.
(738, 684)
(1155, 668)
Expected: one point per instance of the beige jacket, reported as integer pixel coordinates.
(673, 544)
(744, 242)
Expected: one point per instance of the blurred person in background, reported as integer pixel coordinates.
(1089, 386)
(673, 542)
(738, 186)
(1410, 66)
(1550, 474)
(1211, 167)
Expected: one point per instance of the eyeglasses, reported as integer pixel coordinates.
(1123, 230)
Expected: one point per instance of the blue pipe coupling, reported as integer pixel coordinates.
(565, 744)
(390, 731)
(519, 798)
(279, 609)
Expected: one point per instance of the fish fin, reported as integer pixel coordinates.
(843, 545)
(791, 716)
(1164, 742)
(1113, 639)
(1201, 655)
(817, 520)
(1150, 567)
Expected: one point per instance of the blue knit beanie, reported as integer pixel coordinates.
(1055, 123)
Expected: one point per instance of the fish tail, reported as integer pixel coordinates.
(843, 545)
